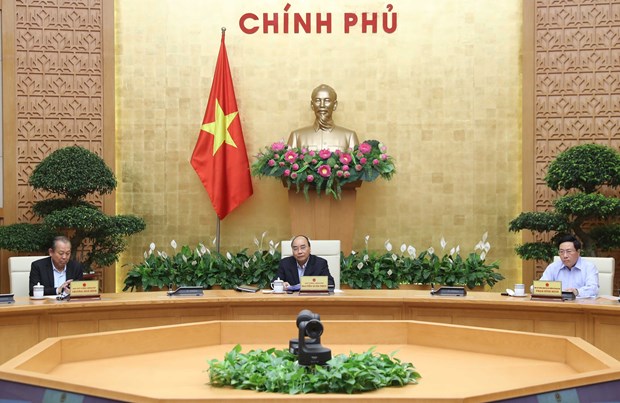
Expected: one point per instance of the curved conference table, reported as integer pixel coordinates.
(27, 322)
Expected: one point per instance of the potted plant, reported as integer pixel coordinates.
(585, 176)
(73, 174)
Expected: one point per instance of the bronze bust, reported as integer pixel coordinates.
(323, 134)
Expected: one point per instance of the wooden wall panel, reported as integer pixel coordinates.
(571, 87)
(54, 95)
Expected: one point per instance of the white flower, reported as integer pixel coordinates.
(483, 255)
(403, 248)
(365, 258)
(411, 250)
(159, 253)
(458, 249)
(203, 249)
(214, 241)
(173, 244)
(443, 243)
(164, 255)
(388, 246)
(254, 258)
(146, 255)
(485, 236)
(247, 264)
(431, 250)
(353, 252)
(389, 273)
(272, 251)
(366, 238)
(394, 257)
(184, 258)
(228, 255)
(452, 251)
(194, 263)
(152, 246)
(360, 265)
(256, 242)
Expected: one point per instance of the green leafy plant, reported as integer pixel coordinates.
(584, 174)
(370, 269)
(202, 267)
(323, 170)
(73, 174)
(277, 371)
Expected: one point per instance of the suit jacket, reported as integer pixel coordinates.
(41, 271)
(317, 266)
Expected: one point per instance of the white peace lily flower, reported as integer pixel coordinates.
(452, 251)
(394, 257)
(366, 238)
(403, 248)
(485, 236)
(411, 250)
(487, 247)
(478, 246)
(389, 273)
(164, 255)
(458, 249)
(360, 265)
(353, 252)
(256, 241)
(173, 244)
(146, 255)
(365, 258)
(272, 251)
(388, 246)
(431, 250)
(247, 264)
(228, 255)
(203, 249)
(194, 263)
(198, 252)
(152, 246)
(443, 243)
(158, 253)
(483, 255)
(214, 241)
(254, 258)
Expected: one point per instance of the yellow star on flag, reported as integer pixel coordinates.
(219, 127)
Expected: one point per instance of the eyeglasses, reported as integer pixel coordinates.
(567, 251)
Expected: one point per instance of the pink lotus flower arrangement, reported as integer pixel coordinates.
(323, 170)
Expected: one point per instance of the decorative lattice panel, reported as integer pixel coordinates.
(577, 82)
(59, 84)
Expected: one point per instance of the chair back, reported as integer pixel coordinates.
(606, 269)
(327, 249)
(19, 274)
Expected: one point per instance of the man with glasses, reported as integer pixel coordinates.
(577, 275)
(56, 272)
(302, 263)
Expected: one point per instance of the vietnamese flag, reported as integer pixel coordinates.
(219, 158)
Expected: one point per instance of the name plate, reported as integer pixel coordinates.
(544, 288)
(84, 288)
(314, 285)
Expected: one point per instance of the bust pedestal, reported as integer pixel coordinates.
(323, 217)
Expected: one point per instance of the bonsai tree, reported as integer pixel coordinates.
(583, 172)
(73, 173)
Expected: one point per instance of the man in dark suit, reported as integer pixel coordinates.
(56, 272)
(302, 263)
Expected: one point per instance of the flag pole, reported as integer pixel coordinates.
(217, 223)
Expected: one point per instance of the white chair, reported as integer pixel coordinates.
(19, 274)
(327, 249)
(606, 268)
